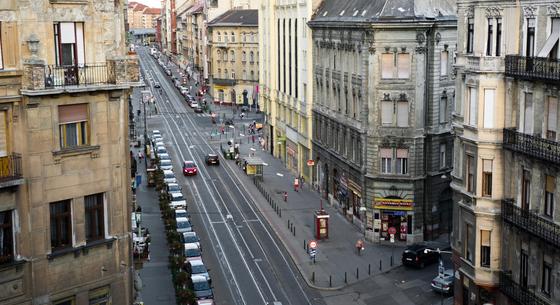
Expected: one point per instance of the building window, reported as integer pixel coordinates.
(549, 190)
(489, 96)
(252, 75)
(4, 136)
(485, 248)
(487, 178)
(73, 125)
(444, 62)
(218, 55)
(225, 55)
(552, 118)
(251, 56)
(526, 190)
(65, 301)
(232, 75)
(1, 60)
(395, 67)
(498, 36)
(69, 43)
(95, 219)
(402, 113)
(530, 38)
(490, 37)
(244, 56)
(226, 74)
(61, 225)
(546, 278)
(524, 269)
(6, 237)
(232, 37)
(386, 155)
(244, 74)
(219, 73)
(442, 156)
(528, 113)
(471, 169)
(469, 241)
(402, 162)
(551, 48)
(232, 55)
(403, 65)
(100, 296)
(470, 35)
(472, 100)
(387, 112)
(443, 109)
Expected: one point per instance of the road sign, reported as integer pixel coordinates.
(310, 162)
(312, 253)
(441, 269)
(392, 238)
(313, 244)
(392, 230)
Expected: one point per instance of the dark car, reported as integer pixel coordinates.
(189, 168)
(417, 256)
(229, 122)
(212, 159)
(157, 85)
(198, 109)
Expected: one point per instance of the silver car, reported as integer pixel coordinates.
(443, 283)
(165, 164)
(169, 177)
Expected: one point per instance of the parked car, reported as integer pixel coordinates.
(189, 168)
(198, 109)
(156, 132)
(162, 156)
(190, 238)
(201, 287)
(183, 225)
(168, 72)
(212, 159)
(182, 213)
(196, 267)
(205, 302)
(194, 104)
(159, 143)
(165, 164)
(191, 252)
(178, 201)
(443, 283)
(157, 138)
(169, 177)
(415, 255)
(160, 150)
(157, 84)
(173, 188)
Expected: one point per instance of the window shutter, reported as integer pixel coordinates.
(10, 45)
(67, 32)
(387, 65)
(489, 95)
(550, 184)
(403, 65)
(80, 43)
(72, 113)
(485, 238)
(386, 153)
(402, 114)
(386, 112)
(552, 113)
(3, 134)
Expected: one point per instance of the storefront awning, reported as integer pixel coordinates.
(393, 204)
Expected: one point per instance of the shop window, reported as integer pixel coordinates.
(524, 269)
(550, 189)
(487, 178)
(546, 280)
(485, 248)
(402, 161)
(61, 224)
(6, 237)
(95, 217)
(470, 35)
(471, 170)
(73, 125)
(386, 155)
(552, 118)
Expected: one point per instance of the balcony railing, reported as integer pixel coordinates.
(10, 168)
(518, 293)
(530, 222)
(533, 68)
(86, 75)
(546, 150)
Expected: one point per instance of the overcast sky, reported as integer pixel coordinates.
(150, 3)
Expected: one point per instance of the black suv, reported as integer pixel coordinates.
(212, 159)
(419, 255)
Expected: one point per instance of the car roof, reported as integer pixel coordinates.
(190, 246)
(212, 155)
(182, 219)
(155, 131)
(198, 278)
(164, 160)
(196, 262)
(188, 162)
(180, 210)
(166, 171)
(176, 194)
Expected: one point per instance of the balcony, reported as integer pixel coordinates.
(533, 68)
(224, 81)
(518, 293)
(484, 64)
(41, 79)
(11, 173)
(536, 147)
(531, 223)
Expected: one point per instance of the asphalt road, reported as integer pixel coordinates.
(248, 265)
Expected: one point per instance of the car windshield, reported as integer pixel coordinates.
(178, 198)
(198, 269)
(201, 286)
(169, 175)
(165, 162)
(191, 239)
(189, 164)
(174, 188)
(192, 252)
(183, 225)
(180, 214)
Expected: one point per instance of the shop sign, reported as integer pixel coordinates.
(393, 204)
(310, 162)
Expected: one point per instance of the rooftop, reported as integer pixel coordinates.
(237, 18)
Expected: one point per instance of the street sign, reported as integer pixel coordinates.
(392, 238)
(312, 253)
(440, 268)
(310, 162)
(392, 230)
(313, 244)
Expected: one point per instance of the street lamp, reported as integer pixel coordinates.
(440, 268)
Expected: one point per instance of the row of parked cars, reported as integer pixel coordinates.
(193, 265)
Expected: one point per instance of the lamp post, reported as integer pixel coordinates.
(440, 268)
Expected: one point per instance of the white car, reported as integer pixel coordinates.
(183, 225)
(194, 104)
(182, 213)
(178, 201)
(160, 149)
(169, 177)
(165, 164)
(156, 132)
(190, 238)
(196, 267)
(164, 156)
(159, 143)
(192, 252)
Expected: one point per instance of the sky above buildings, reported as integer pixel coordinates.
(150, 3)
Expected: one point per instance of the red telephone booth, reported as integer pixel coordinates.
(321, 218)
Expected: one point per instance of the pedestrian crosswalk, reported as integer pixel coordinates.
(206, 115)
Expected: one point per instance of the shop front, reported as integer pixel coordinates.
(354, 198)
(291, 156)
(393, 213)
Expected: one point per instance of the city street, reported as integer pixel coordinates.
(252, 256)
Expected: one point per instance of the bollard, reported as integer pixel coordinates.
(294, 231)
(391, 261)
(330, 280)
(345, 278)
(304, 245)
(288, 223)
(357, 273)
(369, 269)
(280, 213)
(379, 265)
(313, 277)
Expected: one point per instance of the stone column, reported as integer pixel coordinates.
(34, 74)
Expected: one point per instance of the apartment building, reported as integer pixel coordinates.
(381, 116)
(286, 81)
(64, 153)
(234, 54)
(507, 153)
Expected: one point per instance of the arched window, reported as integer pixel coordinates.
(225, 56)
(219, 36)
(244, 56)
(244, 74)
(219, 73)
(232, 55)
(232, 37)
(226, 73)
(251, 56)
(243, 38)
(252, 75)
(219, 55)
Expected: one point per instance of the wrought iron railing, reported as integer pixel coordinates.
(518, 293)
(533, 68)
(530, 222)
(533, 146)
(10, 167)
(79, 75)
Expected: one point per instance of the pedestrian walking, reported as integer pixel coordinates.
(296, 184)
(301, 182)
(140, 156)
(360, 246)
(285, 196)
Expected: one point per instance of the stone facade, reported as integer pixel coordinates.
(65, 143)
(381, 116)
